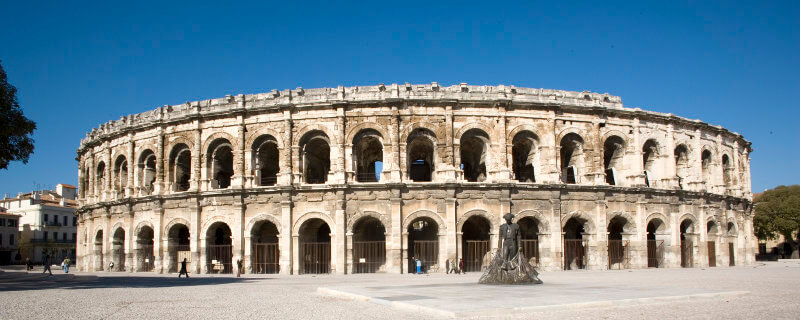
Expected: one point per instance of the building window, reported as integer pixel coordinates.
(65, 220)
(12, 223)
(2, 222)
(1, 239)
(45, 218)
(65, 237)
(10, 239)
(45, 235)
(75, 236)
(74, 221)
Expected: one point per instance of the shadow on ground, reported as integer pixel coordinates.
(19, 281)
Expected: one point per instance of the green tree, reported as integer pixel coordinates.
(15, 129)
(778, 213)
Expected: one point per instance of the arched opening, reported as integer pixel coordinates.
(649, 156)
(368, 155)
(315, 247)
(420, 145)
(219, 248)
(571, 147)
(315, 157)
(178, 247)
(220, 162)
(99, 179)
(525, 156)
(84, 185)
(618, 248)
(705, 164)
(727, 170)
(655, 247)
(118, 250)
(474, 147)
(144, 249)
(121, 174)
(474, 242)
(98, 251)
(574, 251)
(529, 228)
(731, 245)
(369, 246)
(687, 252)
(712, 230)
(681, 165)
(423, 243)
(147, 171)
(180, 164)
(613, 153)
(266, 155)
(266, 253)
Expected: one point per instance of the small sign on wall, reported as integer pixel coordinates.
(362, 260)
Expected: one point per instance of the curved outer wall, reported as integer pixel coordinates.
(690, 179)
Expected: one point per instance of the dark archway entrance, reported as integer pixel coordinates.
(655, 247)
(118, 250)
(711, 232)
(178, 247)
(266, 253)
(423, 243)
(574, 251)
(529, 227)
(219, 248)
(618, 249)
(474, 242)
(369, 245)
(687, 254)
(315, 247)
(98, 251)
(145, 259)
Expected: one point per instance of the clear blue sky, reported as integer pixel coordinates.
(726, 63)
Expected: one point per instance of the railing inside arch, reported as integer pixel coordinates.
(574, 254)
(366, 177)
(687, 254)
(473, 258)
(316, 257)
(368, 256)
(268, 180)
(618, 254)
(218, 258)
(427, 251)
(266, 258)
(178, 252)
(530, 248)
(655, 253)
(145, 258)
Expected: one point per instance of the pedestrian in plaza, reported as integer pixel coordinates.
(183, 269)
(46, 264)
(238, 268)
(28, 264)
(461, 265)
(111, 266)
(419, 266)
(65, 265)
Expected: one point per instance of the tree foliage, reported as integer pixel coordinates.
(777, 213)
(15, 129)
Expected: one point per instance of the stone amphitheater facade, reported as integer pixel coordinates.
(362, 179)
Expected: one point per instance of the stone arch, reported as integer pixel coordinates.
(427, 214)
(177, 140)
(477, 212)
(302, 132)
(218, 136)
(524, 150)
(175, 221)
(141, 225)
(262, 217)
(543, 226)
(119, 225)
(686, 144)
(474, 154)
(420, 125)
(659, 142)
(630, 225)
(613, 132)
(521, 128)
(469, 126)
(211, 221)
(659, 216)
(363, 214)
(732, 229)
(691, 218)
(353, 131)
(588, 225)
(713, 222)
(367, 149)
(263, 131)
(567, 131)
(311, 215)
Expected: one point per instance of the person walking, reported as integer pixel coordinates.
(238, 268)
(28, 264)
(66, 265)
(419, 266)
(461, 265)
(46, 264)
(183, 269)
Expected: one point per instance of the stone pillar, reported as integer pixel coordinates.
(451, 238)
(288, 243)
(197, 156)
(296, 259)
(395, 245)
(131, 166)
(130, 247)
(349, 253)
(197, 242)
(161, 159)
(158, 246)
(338, 237)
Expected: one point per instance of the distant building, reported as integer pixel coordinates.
(47, 222)
(9, 235)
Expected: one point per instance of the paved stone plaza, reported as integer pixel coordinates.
(764, 291)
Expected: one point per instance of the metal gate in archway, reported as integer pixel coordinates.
(574, 254)
(530, 248)
(266, 258)
(655, 253)
(473, 257)
(145, 258)
(316, 257)
(618, 254)
(712, 254)
(218, 258)
(368, 256)
(427, 251)
(687, 254)
(731, 255)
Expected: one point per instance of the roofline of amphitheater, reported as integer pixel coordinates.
(458, 94)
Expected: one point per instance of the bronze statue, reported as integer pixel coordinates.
(509, 265)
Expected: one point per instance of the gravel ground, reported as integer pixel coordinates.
(774, 289)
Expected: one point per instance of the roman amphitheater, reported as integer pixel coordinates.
(362, 179)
